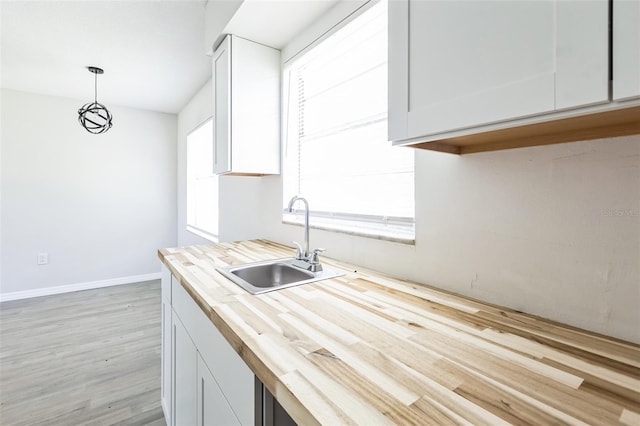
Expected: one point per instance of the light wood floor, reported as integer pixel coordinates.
(89, 357)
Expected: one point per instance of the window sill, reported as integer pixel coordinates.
(203, 234)
(377, 234)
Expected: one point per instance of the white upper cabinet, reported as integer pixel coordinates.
(246, 114)
(478, 75)
(626, 49)
(581, 52)
(457, 64)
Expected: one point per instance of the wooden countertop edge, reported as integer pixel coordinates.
(296, 409)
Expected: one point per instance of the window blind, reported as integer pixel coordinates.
(337, 154)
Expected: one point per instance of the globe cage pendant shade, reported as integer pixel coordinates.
(94, 116)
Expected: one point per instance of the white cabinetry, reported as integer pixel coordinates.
(185, 375)
(246, 86)
(211, 405)
(165, 371)
(626, 50)
(457, 64)
(204, 381)
(459, 68)
(212, 385)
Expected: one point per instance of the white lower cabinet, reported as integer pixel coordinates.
(165, 384)
(165, 370)
(204, 380)
(184, 375)
(211, 384)
(212, 407)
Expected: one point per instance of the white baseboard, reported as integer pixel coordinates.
(47, 291)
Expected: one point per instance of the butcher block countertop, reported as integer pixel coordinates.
(368, 349)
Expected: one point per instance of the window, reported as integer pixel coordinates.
(336, 149)
(202, 184)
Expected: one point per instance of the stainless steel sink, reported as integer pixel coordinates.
(261, 277)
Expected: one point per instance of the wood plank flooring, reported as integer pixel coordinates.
(84, 358)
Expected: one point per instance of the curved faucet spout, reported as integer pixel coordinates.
(306, 221)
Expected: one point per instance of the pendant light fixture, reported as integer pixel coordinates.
(94, 116)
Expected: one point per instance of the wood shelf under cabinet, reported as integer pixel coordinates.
(605, 124)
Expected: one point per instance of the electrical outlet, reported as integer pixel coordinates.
(43, 258)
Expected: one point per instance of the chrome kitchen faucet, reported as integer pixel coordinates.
(305, 259)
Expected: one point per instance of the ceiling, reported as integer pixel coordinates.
(152, 51)
(276, 22)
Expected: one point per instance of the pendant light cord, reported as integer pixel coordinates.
(95, 88)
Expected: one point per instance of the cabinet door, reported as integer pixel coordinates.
(222, 107)
(165, 384)
(212, 407)
(582, 53)
(458, 64)
(234, 377)
(255, 106)
(184, 375)
(165, 283)
(165, 371)
(626, 49)
(246, 84)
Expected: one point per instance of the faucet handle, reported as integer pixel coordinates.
(299, 251)
(314, 255)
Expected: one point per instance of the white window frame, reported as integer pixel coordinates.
(193, 215)
(397, 229)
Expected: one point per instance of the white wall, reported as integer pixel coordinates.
(553, 231)
(239, 197)
(100, 205)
